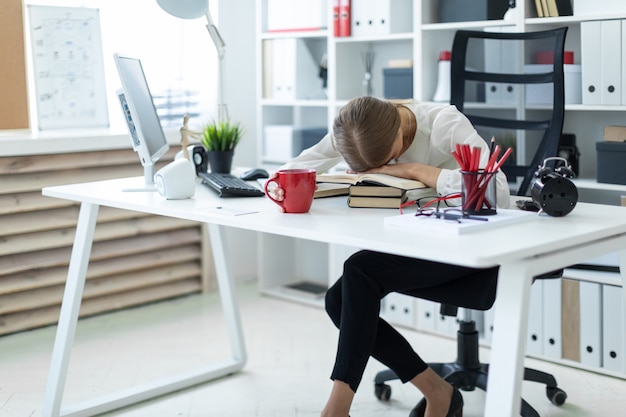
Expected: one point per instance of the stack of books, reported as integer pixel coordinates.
(553, 8)
(377, 190)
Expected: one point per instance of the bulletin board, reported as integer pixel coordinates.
(68, 67)
(13, 84)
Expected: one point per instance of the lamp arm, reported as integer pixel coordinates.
(218, 41)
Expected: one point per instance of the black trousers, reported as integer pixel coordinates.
(353, 304)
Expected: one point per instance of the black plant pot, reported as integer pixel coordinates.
(220, 161)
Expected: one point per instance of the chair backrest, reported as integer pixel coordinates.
(494, 81)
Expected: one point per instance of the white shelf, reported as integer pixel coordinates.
(422, 46)
(294, 103)
(478, 24)
(592, 184)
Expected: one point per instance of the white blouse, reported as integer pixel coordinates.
(439, 129)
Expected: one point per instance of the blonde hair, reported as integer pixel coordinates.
(364, 132)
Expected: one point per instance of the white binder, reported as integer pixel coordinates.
(501, 57)
(447, 325)
(590, 59)
(294, 71)
(393, 16)
(534, 342)
(363, 17)
(623, 55)
(591, 323)
(552, 339)
(611, 63)
(488, 324)
(399, 309)
(427, 314)
(613, 328)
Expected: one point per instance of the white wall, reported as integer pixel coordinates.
(236, 21)
(237, 26)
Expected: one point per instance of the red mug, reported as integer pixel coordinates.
(299, 187)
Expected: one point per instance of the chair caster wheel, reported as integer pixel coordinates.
(382, 391)
(556, 395)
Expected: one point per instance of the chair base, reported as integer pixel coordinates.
(467, 373)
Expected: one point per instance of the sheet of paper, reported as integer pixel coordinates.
(228, 211)
(431, 223)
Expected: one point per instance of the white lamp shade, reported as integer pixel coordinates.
(185, 9)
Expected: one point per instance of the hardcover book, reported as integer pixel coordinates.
(377, 202)
(380, 179)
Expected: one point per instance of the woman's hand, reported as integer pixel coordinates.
(275, 191)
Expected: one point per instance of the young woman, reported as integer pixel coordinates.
(410, 140)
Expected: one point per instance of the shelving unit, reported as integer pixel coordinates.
(422, 45)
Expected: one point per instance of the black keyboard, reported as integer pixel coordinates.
(227, 185)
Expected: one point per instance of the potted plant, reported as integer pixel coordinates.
(220, 139)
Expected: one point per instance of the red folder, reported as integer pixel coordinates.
(345, 19)
(336, 30)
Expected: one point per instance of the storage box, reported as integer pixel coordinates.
(615, 133)
(542, 93)
(470, 10)
(398, 83)
(284, 142)
(611, 163)
(604, 7)
(289, 15)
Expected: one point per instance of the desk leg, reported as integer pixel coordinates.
(69, 317)
(508, 344)
(70, 308)
(228, 297)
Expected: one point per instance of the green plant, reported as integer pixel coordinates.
(221, 136)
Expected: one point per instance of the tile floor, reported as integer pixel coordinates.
(291, 350)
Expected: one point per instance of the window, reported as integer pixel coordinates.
(179, 59)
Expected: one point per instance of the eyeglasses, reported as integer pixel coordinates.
(429, 201)
(448, 214)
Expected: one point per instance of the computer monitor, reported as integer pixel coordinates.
(144, 126)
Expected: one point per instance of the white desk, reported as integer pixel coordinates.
(522, 251)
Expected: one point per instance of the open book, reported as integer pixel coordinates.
(382, 179)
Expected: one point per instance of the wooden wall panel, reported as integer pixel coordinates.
(13, 87)
(136, 257)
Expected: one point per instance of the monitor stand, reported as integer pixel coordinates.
(148, 185)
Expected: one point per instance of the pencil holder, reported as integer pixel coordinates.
(478, 192)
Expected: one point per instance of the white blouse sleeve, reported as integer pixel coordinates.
(321, 156)
(451, 127)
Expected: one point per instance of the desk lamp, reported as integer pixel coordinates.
(193, 9)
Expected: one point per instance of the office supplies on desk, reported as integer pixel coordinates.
(254, 174)
(478, 186)
(459, 226)
(176, 180)
(227, 185)
(298, 186)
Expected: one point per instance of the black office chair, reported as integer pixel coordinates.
(508, 84)
(475, 77)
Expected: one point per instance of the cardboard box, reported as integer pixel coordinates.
(615, 133)
(611, 162)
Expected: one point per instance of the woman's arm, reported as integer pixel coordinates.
(412, 170)
(321, 157)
